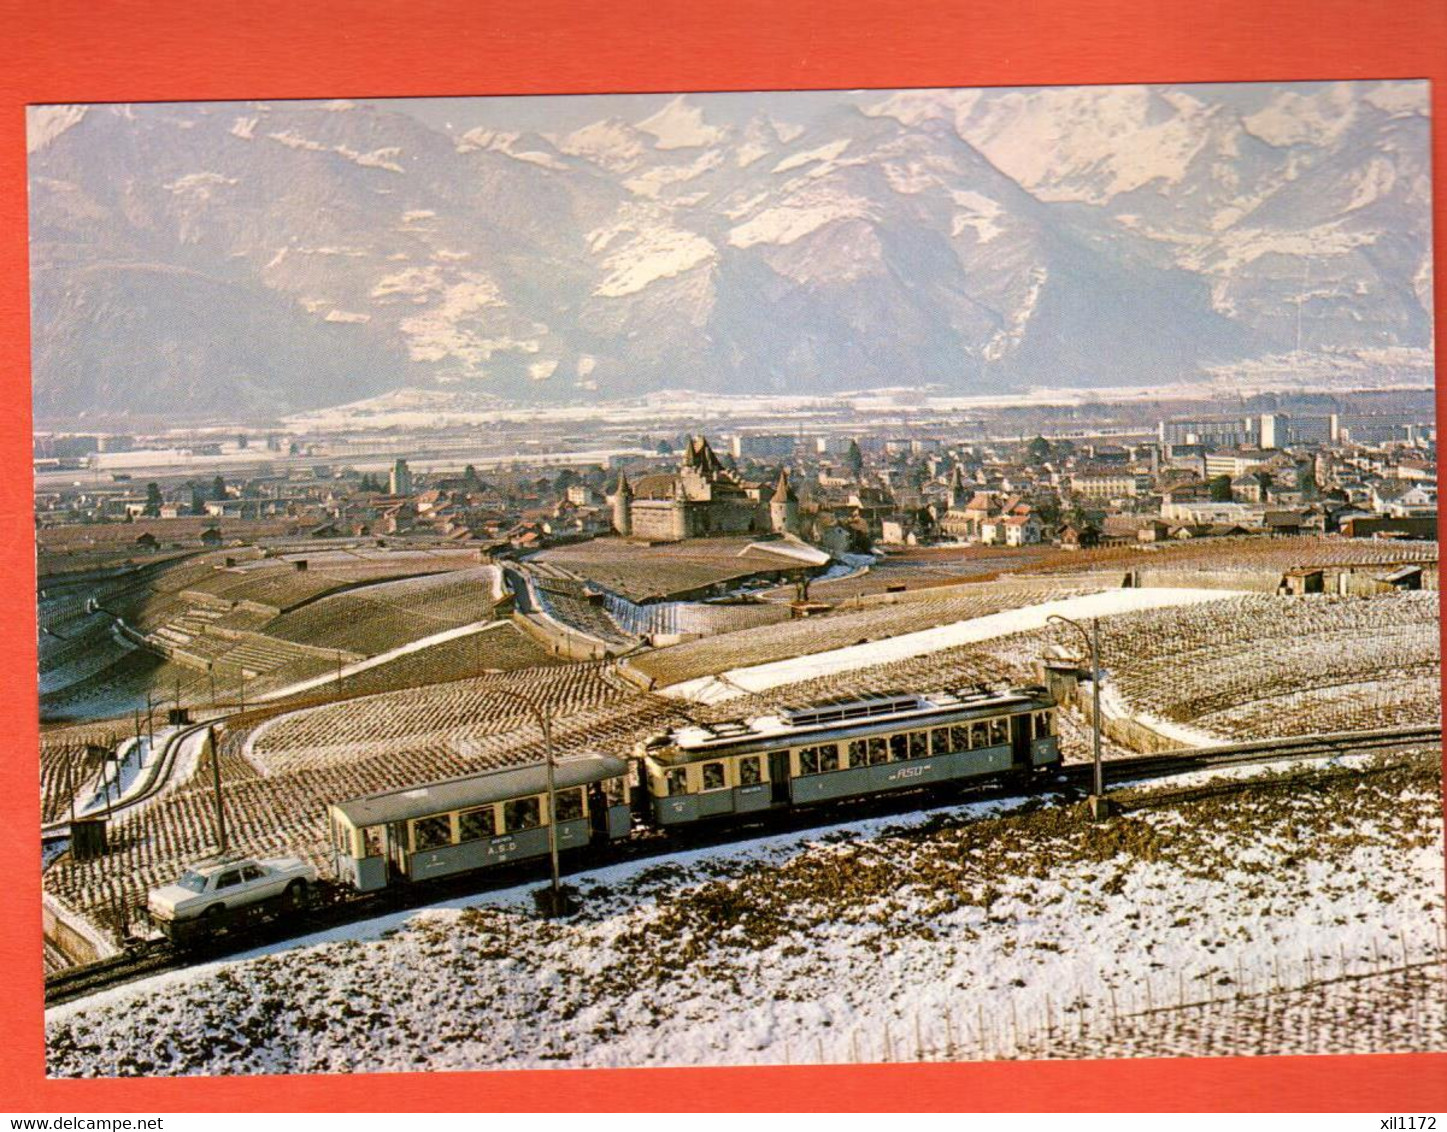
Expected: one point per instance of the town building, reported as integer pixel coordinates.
(1110, 484)
(399, 482)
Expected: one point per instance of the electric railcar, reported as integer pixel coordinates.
(802, 756)
(846, 749)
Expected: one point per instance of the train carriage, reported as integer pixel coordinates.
(846, 749)
(469, 823)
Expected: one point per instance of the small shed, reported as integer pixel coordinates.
(1303, 580)
(1404, 578)
(88, 838)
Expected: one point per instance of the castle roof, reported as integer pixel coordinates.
(700, 457)
(661, 485)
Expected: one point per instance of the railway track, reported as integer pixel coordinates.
(155, 957)
(1256, 751)
(158, 777)
(136, 963)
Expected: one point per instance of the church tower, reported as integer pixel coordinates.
(959, 494)
(623, 506)
(784, 507)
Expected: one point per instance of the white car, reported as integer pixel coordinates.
(210, 890)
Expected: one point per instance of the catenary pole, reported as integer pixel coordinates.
(1092, 645)
(538, 714)
(216, 787)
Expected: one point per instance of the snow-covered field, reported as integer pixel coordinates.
(1293, 916)
(1259, 665)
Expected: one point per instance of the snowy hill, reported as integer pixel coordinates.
(210, 259)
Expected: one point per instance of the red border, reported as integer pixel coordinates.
(138, 50)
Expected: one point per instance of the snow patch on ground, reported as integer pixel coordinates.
(1400, 99)
(415, 284)
(198, 186)
(977, 212)
(827, 152)
(384, 158)
(681, 125)
(641, 247)
(43, 124)
(1013, 331)
(1113, 705)
(1239, 247)
(1293, 118)
(740, 681)
(651, 182)
(806, 212)
(500, 141)
(1086, 144)
(614, 145)
(118, 780)
(1373, 183)
(457, 326)
(293, 140)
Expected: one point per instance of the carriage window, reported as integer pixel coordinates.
(339, 838)
(1042, 724)
(570, 805)
(372, 841)
(999, 732)
(475, 823)
(750, 770)
(829, 757)
(677, 781)
(960, 738)
(940, 741)
(918, 744)
(858, 752)
(979, 735)
(521, 813)
(898, 747)
(613, 791)
(429, 833)
(878, 750)
(809, 760)
(713, 776)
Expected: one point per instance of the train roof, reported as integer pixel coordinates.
(478, 790)
(826, 715)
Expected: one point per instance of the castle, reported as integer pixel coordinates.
(702, 499)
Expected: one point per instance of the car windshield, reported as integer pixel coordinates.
(192, 881)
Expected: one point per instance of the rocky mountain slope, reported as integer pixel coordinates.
(208, 260)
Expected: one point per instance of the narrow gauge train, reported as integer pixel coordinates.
(708, 772)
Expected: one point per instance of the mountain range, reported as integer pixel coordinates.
(234, 261)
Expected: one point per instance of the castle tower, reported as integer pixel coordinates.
(784, 507)
(623, 506)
